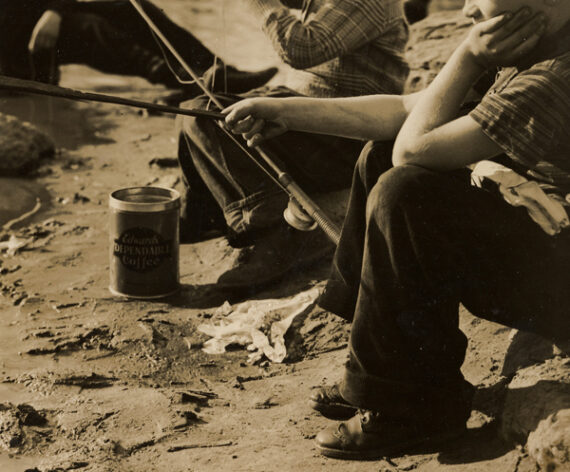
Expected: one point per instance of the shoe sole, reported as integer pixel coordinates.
(394, 450)
(333, 411)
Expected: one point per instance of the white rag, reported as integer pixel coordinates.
(246, 322)
(547, 212)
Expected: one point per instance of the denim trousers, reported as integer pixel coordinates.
(415, 244)
(221, 179)
(112, 37)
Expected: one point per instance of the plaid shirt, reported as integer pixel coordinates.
(340, 47)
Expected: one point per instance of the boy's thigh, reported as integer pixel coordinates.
(518, 275)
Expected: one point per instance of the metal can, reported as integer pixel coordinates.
(144, 242)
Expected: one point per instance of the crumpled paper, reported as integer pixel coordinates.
(246, 324)
(544, 210)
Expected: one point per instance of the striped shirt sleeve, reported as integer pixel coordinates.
(337, 28)
(528, 119)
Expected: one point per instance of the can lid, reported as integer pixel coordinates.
(144, 199)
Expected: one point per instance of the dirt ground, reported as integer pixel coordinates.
(93, 382)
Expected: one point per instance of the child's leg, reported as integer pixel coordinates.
(341, 291)
(125, 23)
(433, 241)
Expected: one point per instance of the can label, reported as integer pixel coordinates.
(142, 249)
(143, 242)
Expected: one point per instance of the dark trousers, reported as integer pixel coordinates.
(415, 244)
(112, 37)
(221, 178)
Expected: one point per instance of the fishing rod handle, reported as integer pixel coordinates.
(328, 227)
(310, 207)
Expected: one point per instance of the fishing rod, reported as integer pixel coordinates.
(38, 88)
(302, 212)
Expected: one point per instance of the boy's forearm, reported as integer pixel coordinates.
(374, 117)
(439, 104)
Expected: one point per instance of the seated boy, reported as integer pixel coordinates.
(419, 239)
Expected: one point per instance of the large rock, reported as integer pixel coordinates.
(22, 146)
(536, 410)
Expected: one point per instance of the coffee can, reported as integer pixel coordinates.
(144, 242)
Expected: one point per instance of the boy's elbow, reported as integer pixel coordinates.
(295, 63)
(306, 48)
(406, 154)
(298, 61)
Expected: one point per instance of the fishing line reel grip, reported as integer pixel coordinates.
(302, 213)
(298, 218)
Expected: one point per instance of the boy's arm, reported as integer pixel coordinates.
(338, 27)
(373, 117)
(431, 136)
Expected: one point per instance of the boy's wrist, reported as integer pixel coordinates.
(286, 111)
(474, 64)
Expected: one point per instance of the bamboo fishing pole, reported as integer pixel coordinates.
(37, 88)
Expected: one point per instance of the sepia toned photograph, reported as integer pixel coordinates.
(284, 235)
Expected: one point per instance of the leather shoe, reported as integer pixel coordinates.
(368, 435)
(328, 402)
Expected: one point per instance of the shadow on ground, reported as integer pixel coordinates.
(69, 124)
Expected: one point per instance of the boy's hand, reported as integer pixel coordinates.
(504, 39)
(257, 119)
(46, 32)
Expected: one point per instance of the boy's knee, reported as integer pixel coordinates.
(375, 159)
(398, 187)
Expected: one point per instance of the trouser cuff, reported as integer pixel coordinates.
(255, 212)
(418, 403)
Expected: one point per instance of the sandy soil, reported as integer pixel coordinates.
(93, 382)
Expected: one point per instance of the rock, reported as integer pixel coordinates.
(549, 443)
(536, 410)
(11, 434)
(22, 146)
(12, 422)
